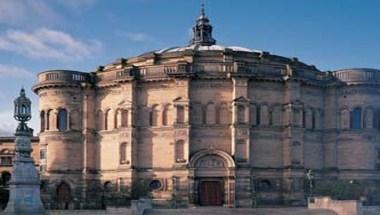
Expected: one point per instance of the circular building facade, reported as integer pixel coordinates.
(206, 125)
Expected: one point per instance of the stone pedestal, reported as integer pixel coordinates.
(24, 185)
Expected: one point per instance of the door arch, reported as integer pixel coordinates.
(63, 195)
(212, 178)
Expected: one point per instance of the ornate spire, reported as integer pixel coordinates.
(202, 31)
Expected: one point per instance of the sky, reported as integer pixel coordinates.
(39, 35)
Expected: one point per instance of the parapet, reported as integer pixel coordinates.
(358, 76)
(58, 78)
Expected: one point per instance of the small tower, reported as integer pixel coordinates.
(202, 31)
(24, 185)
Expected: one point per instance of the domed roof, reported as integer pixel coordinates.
(206, 48)
(203, 40)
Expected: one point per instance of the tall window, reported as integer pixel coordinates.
(240, 114)
(62, 120)
(49, 117)
(107, 119)
(75, 120)
(264, 115)
(153, 116)
(42, 118)
(124, 118)
(180, 114)
(179, 151)
(124, 151)
(253, 114)
(165, 116)
(43, 154)
(356, 118)
(118, 118)
(210, 114)
(224, 115)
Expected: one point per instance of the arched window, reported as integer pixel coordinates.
(180, 151)
(62, 120)
(277, 115)
(124, 118)
(210, 114)
(264, 115)
(196, 113)
(377, 119)
(254, 115)
(369, 118)
(100, 120)
(42, 118)
(117, 121)
(42, 153)
(313, 120)
(49, 119)
(224, 114)
(241, 114)
(165, 116)
(356, 118)
(153, 116)
(107, 120)
(75, 120)
(318, 119)
(124, 152)
(344, 119)
(180, 114)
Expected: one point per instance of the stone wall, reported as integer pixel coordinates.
(341, 207)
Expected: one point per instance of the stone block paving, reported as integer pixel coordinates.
(238, 211)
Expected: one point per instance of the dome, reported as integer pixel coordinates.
(206, 48)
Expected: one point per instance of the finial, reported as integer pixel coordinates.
(203, 10)
(22, 91)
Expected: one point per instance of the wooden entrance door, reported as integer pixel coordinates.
(211, 193)
(63, 195)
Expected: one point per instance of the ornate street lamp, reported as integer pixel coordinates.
(22, 113)
(24, 198)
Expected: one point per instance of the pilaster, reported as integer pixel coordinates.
(293, 152)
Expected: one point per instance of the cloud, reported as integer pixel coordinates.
(17, 12)
(75, 4)
(45, 43)
(138, 37)
(7, 123)
(9, 71)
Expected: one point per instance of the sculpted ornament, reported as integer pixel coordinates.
(210, 161)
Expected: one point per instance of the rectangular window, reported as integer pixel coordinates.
(6, 161)
(241, 151)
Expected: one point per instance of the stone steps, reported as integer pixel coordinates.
(239, 211)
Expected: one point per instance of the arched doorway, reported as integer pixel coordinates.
(212, 178)
(4, 188)
(63, 195)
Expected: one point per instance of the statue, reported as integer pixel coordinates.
(24, 185)
(310, 177)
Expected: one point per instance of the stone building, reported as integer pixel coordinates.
(205, 124)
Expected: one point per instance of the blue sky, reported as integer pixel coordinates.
(38, 35)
